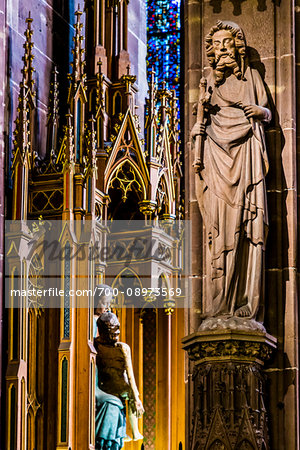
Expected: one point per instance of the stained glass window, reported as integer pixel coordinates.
(163, 36)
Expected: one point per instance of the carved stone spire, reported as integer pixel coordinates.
(23, 155)
(152, 94)
(21, 133)
(91, 144)
(163, 95)
(99, 87)
(174, 125)
(28, 69)
(174, 112)
(78, 62)
(151, 122)
(53, 116)
(68, 142)
(26, 96)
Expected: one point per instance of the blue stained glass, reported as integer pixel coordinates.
(163, 35)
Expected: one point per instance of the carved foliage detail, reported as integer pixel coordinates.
(232, 348)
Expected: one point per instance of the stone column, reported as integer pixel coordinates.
(229, 406)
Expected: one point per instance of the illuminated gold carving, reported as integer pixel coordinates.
(125, 179)
(147, 206)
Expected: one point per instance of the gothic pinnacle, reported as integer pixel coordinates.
(28, 69)
(78, 62)
(99, 87)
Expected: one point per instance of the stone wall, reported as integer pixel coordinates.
(137, 48)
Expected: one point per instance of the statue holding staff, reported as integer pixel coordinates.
(230, 183)
(201, 108)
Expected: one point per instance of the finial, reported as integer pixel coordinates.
(99, 64)
(128, 80)
(152, 75)
(92, 120)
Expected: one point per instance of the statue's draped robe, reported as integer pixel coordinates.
(232, 195)
(110, 426)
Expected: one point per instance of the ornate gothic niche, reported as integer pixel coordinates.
(116, 104)
(125, 190)
(128, 281)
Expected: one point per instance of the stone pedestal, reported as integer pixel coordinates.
(229, 410)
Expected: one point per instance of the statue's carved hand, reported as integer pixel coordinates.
(198, 130)
(255, 112)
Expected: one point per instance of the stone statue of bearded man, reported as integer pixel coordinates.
(230, 185)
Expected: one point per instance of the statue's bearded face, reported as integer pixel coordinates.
(226, 60)
(224, 45)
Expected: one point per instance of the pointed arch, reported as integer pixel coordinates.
(127, 148)
(126, 189)
(126, 281)
(163, 195)
(117, 103)
(136, 171)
